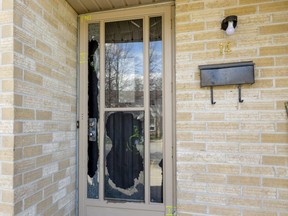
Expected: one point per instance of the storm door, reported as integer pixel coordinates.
(126, 103)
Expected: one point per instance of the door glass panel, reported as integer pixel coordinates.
(124, 63)
(124, 156)
(156, 119)
(93, 111)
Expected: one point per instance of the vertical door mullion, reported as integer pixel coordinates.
(168, 120)
(102, 112)
(146, 108)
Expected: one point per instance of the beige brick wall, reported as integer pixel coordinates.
(232, 157)
(38, 108)
(7, 101)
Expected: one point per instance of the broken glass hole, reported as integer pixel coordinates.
(124, 155)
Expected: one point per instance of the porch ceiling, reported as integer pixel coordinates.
(88, 6)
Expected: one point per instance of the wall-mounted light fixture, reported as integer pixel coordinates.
(229, 24)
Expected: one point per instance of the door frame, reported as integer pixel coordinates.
(168, 107)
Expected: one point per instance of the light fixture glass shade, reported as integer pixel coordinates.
(230, 29)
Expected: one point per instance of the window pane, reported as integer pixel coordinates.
(93, 111)
(156, 119)
(124, 156)
(124, 64)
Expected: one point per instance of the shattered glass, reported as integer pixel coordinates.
(93, 110)
(124, 156)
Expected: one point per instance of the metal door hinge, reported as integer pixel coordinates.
(77, 124)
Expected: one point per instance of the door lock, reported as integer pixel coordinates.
(92, 129)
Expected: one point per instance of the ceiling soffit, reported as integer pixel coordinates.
(89, 6)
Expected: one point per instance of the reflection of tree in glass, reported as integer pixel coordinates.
(122, 66)
(155, 57)
(124, 70)
(155, 86)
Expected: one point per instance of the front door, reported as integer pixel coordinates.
(125, 113)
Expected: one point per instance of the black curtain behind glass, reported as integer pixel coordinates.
(93, 109)
(124, 162)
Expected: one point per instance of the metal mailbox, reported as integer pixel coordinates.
(227, 74)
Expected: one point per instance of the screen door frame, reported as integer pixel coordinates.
(101, 206)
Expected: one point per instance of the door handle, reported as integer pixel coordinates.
(92, 129)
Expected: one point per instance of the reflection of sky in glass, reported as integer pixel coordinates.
(135, 51)
(127, 63)
(132, 50)
(156, 58)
